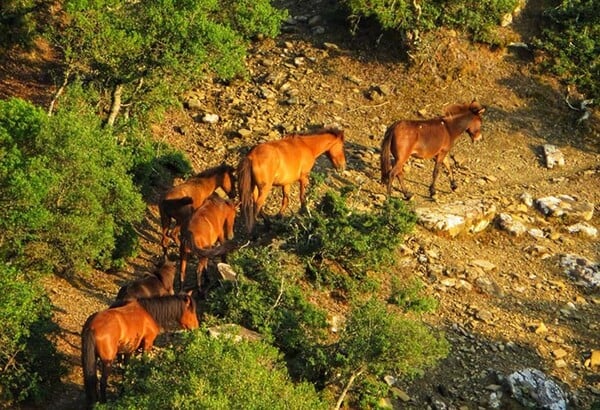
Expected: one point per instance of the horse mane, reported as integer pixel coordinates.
(456, 110)
(221, 169)
(328, 130)
(166, 309)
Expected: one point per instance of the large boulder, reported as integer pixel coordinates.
(470, 216)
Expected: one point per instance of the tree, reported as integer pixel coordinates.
(134, 49)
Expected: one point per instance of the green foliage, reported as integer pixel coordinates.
(158, 49)
(268, 299)
(376, 341)
(28, 359)
(19, 21)
(407, 16)
(209, 373)
(67, 192)
(358, 242)
(571, 38)
(409, 296)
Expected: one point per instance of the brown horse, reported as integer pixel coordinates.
(427, 139)
(124, 329)
(159, 283)
(181, 200)
(281, 163)
(209, 224)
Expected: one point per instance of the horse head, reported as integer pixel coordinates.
(474, 127)
(336, 152)
(189, 319)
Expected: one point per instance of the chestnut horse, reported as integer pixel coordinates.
(427, 139)
(209, 224)
(181, 200)
(124, 329)
(281, 163)
(159, 283)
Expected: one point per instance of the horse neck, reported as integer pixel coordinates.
(320, 143)
(206, 182)
(164, 310)
(458, 124)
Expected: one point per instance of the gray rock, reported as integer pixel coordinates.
(511, 225)
(469, 216)
(210, 118)
(534, 389)
(584, 229)
(233, 331)
(565, 206)
(583, 271)
(554, 157)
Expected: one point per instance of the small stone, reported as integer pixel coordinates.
(559, 353)
(541, 329)
(560, 363)
(594, 359)
(400, 394)
(244, 132)
(210, 118)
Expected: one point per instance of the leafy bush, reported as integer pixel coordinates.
(571, 38)
(411, 17)
(67, 188)
(145, 53)
(210, 373)
(18, 21)
(358, 242)
(268, 299)
(376, 341)
(28, 359)
(409, 296)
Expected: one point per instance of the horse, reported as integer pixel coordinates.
(281, 163)
(427, 139)
(159, 283)
(180, 201)
(124, 329)
(211, 223)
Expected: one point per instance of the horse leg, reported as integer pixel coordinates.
(398, 172)
(202, 265)
(453, 184)
(106, 369)
(436, 170)
(285, 199)
(303, 184)
(184, 255)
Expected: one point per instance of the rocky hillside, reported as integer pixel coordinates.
(512, 255)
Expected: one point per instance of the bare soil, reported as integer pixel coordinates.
(329, 79)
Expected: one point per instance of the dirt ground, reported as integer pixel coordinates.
(317, 74)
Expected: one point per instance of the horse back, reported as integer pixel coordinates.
(207, 223)
(121, 329)
(423, 139)
(281, 162)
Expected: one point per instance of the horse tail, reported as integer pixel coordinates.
(246, 188)
(88, 362)
(385, 159)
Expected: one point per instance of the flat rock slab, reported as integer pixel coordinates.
(469, 216)
(565, 206)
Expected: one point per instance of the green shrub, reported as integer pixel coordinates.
(409, 296)
(67, 187)
(28, 359)
(357, 242)
(571, 38)
(19, 21)
(376, 341)
(207, 373)
(268, 299)
(411, 17)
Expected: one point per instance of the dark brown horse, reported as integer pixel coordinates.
(159, 283)
(427, 139)
(126, 328)
(209, 224)
(181, 200)
(281, 163)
